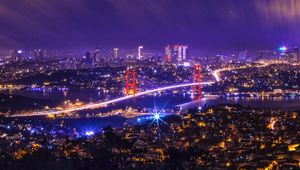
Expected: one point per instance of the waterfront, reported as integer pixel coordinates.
(166, 100)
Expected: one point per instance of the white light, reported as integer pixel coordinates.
(186, 64)
(89, 133)
(140, 52)
(20, 51)
(283, 48)
(156, 116)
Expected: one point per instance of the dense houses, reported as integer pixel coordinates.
(219, 137)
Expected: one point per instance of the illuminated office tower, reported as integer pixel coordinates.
(175, 52)
(179, 55)
(168, 54)
(13, 55)
(97, 57)
(242, 55)
(184, 49)
(140, 52)
(115, 53)
(180, 52)
(88, 59)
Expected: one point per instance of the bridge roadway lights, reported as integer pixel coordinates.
(197, 79)
(104, 103)
(130, 81)
(101, 104)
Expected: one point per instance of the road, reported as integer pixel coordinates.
(216, 73)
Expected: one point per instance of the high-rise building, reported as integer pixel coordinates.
(168, 54)
(140, 52)
(184, 51)
(88, 59)
(13, 55)
(180, 52)
(115, 53)
(175, 52)
(97, 57)
(242, 55)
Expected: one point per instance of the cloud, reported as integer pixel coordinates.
(278, 11)
(68, 23)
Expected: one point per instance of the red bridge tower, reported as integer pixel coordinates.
(197, 79)
(130, 81)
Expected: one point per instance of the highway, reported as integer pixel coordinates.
(216, 73)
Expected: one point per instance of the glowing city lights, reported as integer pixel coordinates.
(89, 133)
(283, 48)
(156, 116)
(102, 104)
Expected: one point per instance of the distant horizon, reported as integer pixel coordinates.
(106, 51)
(206, 25)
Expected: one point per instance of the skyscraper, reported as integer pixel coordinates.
(168, 54)
(88, 59)
(115, 53)
(242, 55)
(184, 49)
(13, 55)
(180, 52)
(140, 52)
(175, 52)
(97, 57)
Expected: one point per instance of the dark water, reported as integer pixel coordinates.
(170, 101)
(166, 101)
(282, 103)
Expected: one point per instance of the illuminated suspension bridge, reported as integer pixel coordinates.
(102, 104)
(196, 78)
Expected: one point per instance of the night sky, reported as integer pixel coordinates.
(207, 25)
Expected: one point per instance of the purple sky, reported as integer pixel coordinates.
(208, 25)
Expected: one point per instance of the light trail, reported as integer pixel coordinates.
(101, 104)
(216, 73)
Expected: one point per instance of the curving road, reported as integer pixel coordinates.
(216, 73)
